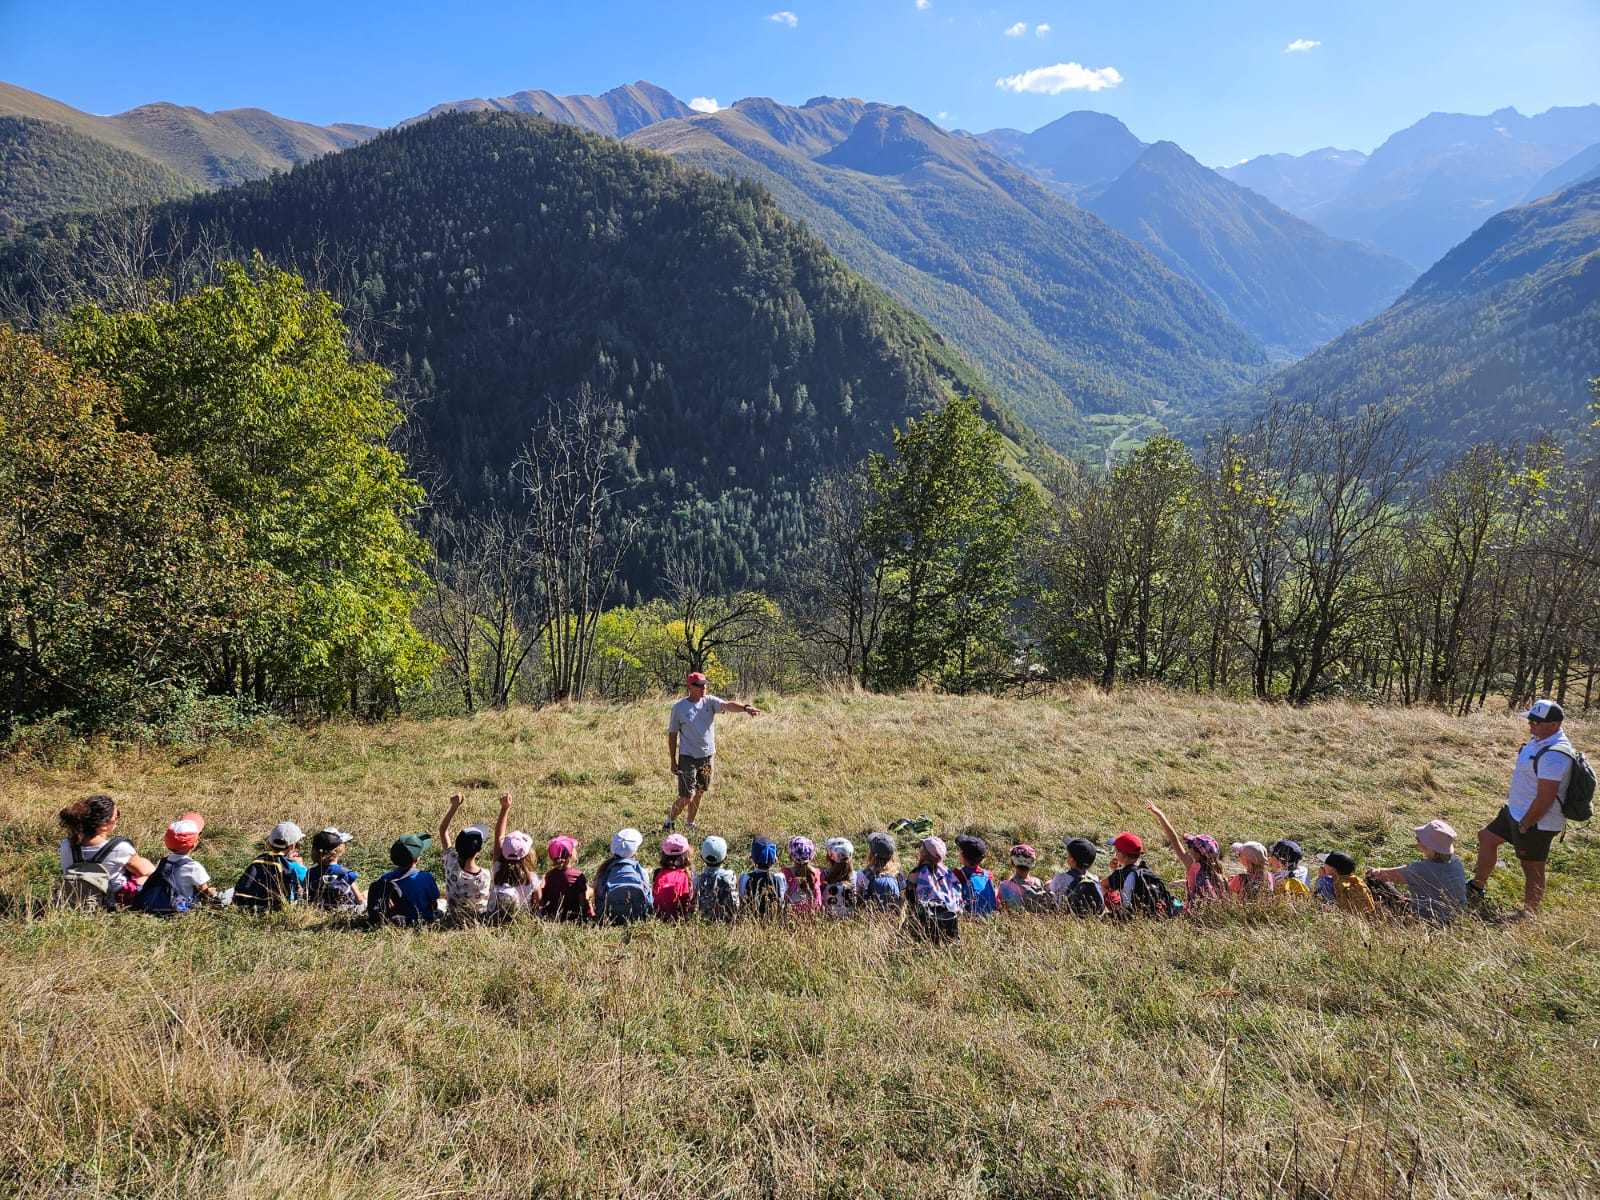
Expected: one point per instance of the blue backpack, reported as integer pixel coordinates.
(627, 893)
(328, 890)
(883, 892)
(156, 896)
(979, 886)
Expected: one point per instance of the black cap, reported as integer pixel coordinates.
(468, 842)
(972, 847)
(1082, 851)
(1287, 851)
(1339, 861)
(881, 844)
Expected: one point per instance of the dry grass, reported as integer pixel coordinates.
(1301, 1055)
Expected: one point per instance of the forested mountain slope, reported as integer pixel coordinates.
(208, 149)
(47, 170)
(1063, 312)
(1285, 281)
(509, 260)
(1498, 340)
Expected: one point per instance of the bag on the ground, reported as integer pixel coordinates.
(627, 894)
(267, 884)
(85, 882)
(1578, 803)
(387, 905)
(716, 896)
(327, 890)
(762, 899)
(156, 896)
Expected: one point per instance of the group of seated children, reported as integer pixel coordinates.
(100, 867)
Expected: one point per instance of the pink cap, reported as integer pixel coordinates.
(562, 847)
(675, 843)
(515, 846)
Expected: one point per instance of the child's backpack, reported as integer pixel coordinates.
(672, 892)
(387, 905)
(1578, 803)
(328, 890)
(86, 883)
(883, 892)
(1083, 897)
(979, 886)
(267, 883)
(716, 896)
(762, 898)
(1150, 895)
(627, 893)
(1036, 898)
(156, 896)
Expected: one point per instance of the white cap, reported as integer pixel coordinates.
(626, 843)
(284, 834)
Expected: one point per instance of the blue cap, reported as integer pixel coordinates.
(763, 852)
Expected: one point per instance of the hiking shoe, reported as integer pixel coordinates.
(666, 826)
(1476, 894)
(691, 827)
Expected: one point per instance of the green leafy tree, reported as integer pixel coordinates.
(252, 382)
(116, 567)
(949, 520)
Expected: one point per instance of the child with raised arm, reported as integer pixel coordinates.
(565, 894)
(466, 883)
(515, 882)
(1201, 857)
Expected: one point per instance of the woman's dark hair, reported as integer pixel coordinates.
(85, 818)
(674, 862)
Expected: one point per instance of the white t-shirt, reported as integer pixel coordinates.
(514, 897)
(187, 876)
(1525, 785)
(694, 723)
(463, 892)
(115, 860)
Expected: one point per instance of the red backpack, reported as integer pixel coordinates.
(673, 892)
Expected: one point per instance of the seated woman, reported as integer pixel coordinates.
(90, 825)
(1437, 884)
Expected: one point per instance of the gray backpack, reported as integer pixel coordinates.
(716, 895)
(627, 893)
(85, 883)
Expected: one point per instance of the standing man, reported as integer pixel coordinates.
(1531, 816)
(691, 741)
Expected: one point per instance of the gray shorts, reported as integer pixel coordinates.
(694, 775)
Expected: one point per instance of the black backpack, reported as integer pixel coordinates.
(387, 905)
(1083, 897)
(267, 883)
(156, 897)
(1578, 803)
(325, 890)
(762, 900)
(1150, 895)
(714, 896)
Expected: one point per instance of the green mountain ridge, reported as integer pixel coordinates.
(1498, 340)
(48, 170)
(1064, 314)
(511, 259)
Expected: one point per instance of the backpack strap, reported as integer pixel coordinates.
(100, 851)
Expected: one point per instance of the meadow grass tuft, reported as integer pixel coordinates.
(1297, 1054)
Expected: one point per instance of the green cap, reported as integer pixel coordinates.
(406, 850)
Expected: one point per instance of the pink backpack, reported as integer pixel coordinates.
(673, 893)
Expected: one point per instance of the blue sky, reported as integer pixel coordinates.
(1219, 78)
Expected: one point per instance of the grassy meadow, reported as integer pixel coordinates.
(1277, 1053)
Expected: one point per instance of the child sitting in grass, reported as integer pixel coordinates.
(802, 880)
(1437, 884)
(934, 894)
(565, 893)
(1022, 892)
(716, 890)
(466, 883)
(671, 886)
(621, 888)
(762, 887)
(405, 895)
(1075, 889)
(879, 885)
(978, 884)
(1202, 862)
(1132, 889)
(1254, 882)
(329, 883)
(1289, 875)
(1339, 885)
(838, 878)
(515, 880)
(178, 883)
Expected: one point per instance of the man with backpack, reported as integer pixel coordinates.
(1550, 784)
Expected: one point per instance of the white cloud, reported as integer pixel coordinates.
(785, 18)
(1300, 46)
(1041, 31)
(1017, 30)
(944, 116)
(924, 5)
(705, 104)
(1063, 77)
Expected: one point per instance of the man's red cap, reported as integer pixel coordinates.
(695, 678)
